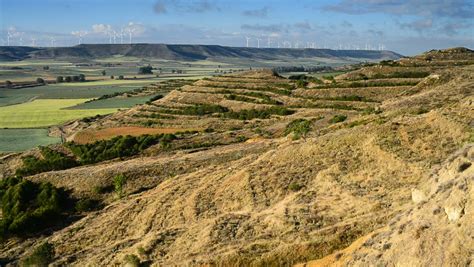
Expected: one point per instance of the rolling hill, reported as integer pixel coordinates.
(372, 167)
(187, 52)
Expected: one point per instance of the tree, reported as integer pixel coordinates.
(8, 84)
(75, 78)
(145, 70)
(82, 77)
(112, 77)
(103, 73)
(59, 79)
(45, 67)
(40, 80)
(120, 77)
(68, 79)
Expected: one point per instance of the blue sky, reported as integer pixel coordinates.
(407, 27)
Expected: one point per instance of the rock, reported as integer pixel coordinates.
(454, 213)
(417, 195)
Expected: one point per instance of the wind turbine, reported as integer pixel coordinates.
(130, 33)
(121, 36)
(248, 39)
(9, 36)
(269, 42)
(52, 41)
(258, 42)
(33, 41)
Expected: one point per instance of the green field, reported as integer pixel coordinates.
(115, 102)
(15, 140)
(58, 91)
(45, 112)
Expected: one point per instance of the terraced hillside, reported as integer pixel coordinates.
(262, 170)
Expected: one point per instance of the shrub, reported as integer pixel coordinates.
(154, 98)
(299, 127)
(8, 84)
(42, 256)
(349, 98)
(59, 79)
(117, 147)
(248, 114)
(82, 77)
(295, 187)
(28, 207)
(301, 83)
(298, 77)
(241, 138)
(132, 260)
(87, 204)
(40, 80)
(145, 70)
(338, 118)
(199, 109)
(52, 160)
(119, 182)
(68, 79)
(120, 77)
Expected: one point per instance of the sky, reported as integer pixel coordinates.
(406, 27)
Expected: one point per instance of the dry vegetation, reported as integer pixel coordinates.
(275, 175)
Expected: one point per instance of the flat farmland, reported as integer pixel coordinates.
(125, 102)
(45, 112)
(15, 140)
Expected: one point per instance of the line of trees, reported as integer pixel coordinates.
(68, 79)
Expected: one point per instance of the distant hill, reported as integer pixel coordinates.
(186, 52)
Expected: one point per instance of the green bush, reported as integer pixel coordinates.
(248, 114)
(298, 77)
(29, 207)
(299, 127)
(132, 260)
(301, 83)
(199, 110)
(117, 147)
(145, 70)
(88, 204)
(401, 74)
(52, 160)
(349, 98)
(338, 118)
(119, 182)
(43, 255)
(368, 84)
(295, 187)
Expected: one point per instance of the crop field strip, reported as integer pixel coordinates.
(45, 112)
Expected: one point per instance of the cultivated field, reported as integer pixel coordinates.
(17, 140)
(45, 112)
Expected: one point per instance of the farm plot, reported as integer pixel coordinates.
(125, 102)
(45, 112)
(15, 140)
